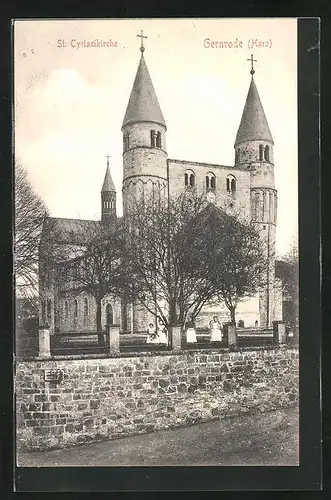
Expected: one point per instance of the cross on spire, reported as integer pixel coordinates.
(142, 36)
(107, 156)
(252, 64)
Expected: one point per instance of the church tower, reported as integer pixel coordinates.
(144, 146)
(108, 197)
(145, 168)
(254, 153)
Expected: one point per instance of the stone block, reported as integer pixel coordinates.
(113, 339)
(279, 332)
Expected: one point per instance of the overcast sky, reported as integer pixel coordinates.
(70, 101)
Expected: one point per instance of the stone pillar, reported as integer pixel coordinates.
(44, 342)
(230, 334)
(176, 337)
(279, 331)
(113, 339)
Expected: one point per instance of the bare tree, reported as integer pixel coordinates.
(187, 253)
(95, 267)
(233, 255)
(163, 275)
(30, 214)
(288, 269)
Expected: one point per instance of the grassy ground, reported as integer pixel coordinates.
(260, 439)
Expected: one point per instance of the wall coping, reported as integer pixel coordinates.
(151, 354)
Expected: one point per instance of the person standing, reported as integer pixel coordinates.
(215, 330)
(162, 333)
(190, 331)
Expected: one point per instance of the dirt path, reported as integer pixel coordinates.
(263, 439)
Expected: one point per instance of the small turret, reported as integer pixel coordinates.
(108, 197)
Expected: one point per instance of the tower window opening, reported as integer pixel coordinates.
(186, 179)
(261, 152)
(192, 180)
(158, 140)
(266, 153)
(76, 308)
(85, 307)
(153, 138)
(213, 183)
(66, 309)
(126, 141)
(237, 155)
(207, 181)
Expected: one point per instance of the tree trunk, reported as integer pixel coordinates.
(172, 320)
(101, 338)
(233, 314)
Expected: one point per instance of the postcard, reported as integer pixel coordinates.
(156, 251)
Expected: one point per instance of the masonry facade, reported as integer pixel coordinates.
(247, 185)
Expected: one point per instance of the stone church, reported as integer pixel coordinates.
(247, 185)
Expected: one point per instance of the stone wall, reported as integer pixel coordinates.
(114, 397)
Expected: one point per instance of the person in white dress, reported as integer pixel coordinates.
(162, 334)
(190, 331)
(215, 330)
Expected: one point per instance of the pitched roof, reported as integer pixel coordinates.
(253, 125)
(143, 104)
(73, 231)
(108, 184)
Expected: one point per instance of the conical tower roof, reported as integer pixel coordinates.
(253, 125)
(143, 104)
(108, 184)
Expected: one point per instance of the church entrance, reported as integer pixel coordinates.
(109, 315)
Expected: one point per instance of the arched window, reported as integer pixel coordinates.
(189, 178)
(231, 184)
(85, 307)
(153, 138)
(76, 308)
(210, 181)
(158, 140)
(266, 153)
(109, 315)
(261, 152)
(66, 309)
